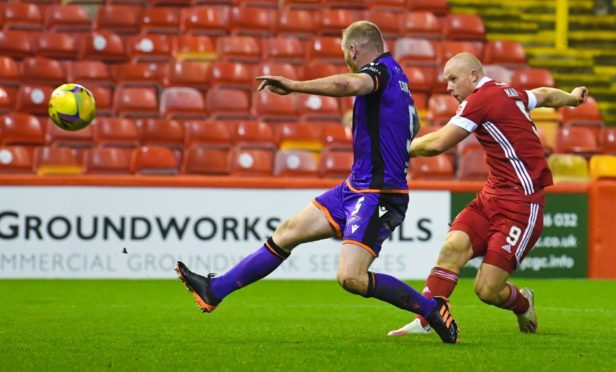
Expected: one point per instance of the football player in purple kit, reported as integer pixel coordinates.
(363, 210)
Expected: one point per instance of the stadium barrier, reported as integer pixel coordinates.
(137, 226)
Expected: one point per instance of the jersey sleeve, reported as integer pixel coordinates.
(470, 114)
(378, 73)
(532, 100)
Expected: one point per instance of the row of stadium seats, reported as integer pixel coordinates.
(113, 48)
(158, 160)
(224, 20)
(206, 160)
(26, 130)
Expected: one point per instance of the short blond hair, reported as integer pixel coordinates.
(363, 33)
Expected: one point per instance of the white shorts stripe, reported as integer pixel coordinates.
(510, 153)
(532, 219)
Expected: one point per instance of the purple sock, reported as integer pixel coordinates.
(389, 289)
(252, 268)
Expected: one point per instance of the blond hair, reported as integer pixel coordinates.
(363, 34)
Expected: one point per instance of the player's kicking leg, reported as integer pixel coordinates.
(308, 225)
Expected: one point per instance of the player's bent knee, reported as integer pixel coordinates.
(452, 256)
(352, 283)
(487, 293)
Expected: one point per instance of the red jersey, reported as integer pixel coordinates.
(498, 114)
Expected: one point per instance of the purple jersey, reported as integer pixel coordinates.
(382, 129)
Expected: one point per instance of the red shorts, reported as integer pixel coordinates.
(501, 230)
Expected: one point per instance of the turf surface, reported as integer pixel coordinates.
(291, 325)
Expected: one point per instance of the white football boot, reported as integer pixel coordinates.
(528, 320)
(413, 328)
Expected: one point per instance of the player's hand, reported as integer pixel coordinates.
(581, 94)
(276, 84)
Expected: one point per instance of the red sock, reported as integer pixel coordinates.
(441, 282)
(515, 302)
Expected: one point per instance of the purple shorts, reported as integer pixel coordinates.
(364, 219)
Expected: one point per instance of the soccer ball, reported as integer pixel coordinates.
(71, 107)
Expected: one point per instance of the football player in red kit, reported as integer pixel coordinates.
(505, 220)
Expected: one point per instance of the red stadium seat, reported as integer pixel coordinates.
(421, 79)
(327, 49)
(103, 97)
(9, 71)
(227, 104)
(295, 163)
(82, 138)
(253, 21)
(498, 73)
(432, 168)
(206, 20)
(447, 49)
(336, 164)
(162, 132)
(532, 78)
(57, 45)
(252, 162)
(467, 27)
(420, 100)
(298, 136)
(388, 23)
(6, 101)
(16, 44)
(397, 6)
(420, 24)
(608, 140)
(314, 108)
(189, 74)
(178, 3)
(441, 108)
(296, 23)
(252, 134)
(472, 166)
(208, 132)
(317, 69)
(304, 4)
(21, 129)
(107, 161)
(115, 132)
(104, 46)
(245, 49)
(182, 103)
(33, 99)
(333, 21)
(276, 69)
(22, 16)
(267, 106)
(160, 20)
(135, 102)
(195, 48)
(154, 160)
(336, 136)
(119, 19)
(230, 75)
(273, 4)
(285, 49)
(508, 53)
(150, 75)
(56, 161)
(39, 70)
(414, 52)
(587, 113)
(89, 73)
(149, 48)
(576, 140)
(67, 18)
(205, 160)
(15, 160)
(437, 7)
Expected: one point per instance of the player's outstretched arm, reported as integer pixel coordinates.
(437, 142)
(342, 85)
(553, 97)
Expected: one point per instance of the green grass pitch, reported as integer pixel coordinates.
(291, 325)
